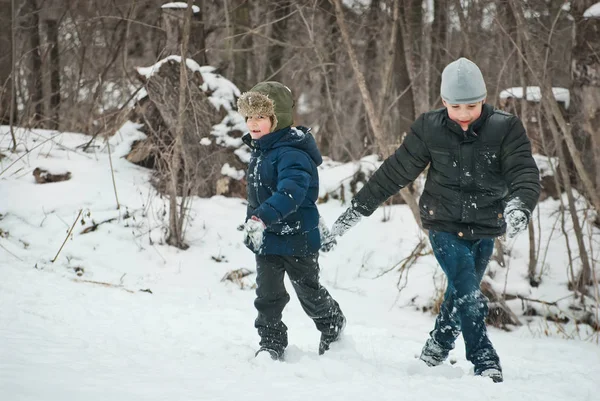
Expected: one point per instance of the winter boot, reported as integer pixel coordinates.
(433, 354)
(276, 356)
(490, 369)
(327, 339)
(494, 374)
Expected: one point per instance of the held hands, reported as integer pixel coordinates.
(254, 229)
(347, 220)
(516, 221)
(328, 241)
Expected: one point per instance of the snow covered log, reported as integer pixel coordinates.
(213, 161)
(43, 176)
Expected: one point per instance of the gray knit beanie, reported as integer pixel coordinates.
(462, 82)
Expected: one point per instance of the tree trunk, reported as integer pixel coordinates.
(52, 32)
(374, 37)
(173, 22)
(175, 216)
(404, 95)
(6, 61)
(198, 31)
(35, 78)
(241, 43)
(276, 51)
(465, 27)
(144, 36)
(532, 266)
(328, 60)
(439, 55)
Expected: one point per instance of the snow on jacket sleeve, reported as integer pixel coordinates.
(396, 172)
(294, 175)
(519, 169)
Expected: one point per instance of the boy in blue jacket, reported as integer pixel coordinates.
(282, 220)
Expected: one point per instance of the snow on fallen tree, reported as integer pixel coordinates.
(214, 157)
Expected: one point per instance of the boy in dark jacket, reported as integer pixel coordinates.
(482, 182)
(282, 220)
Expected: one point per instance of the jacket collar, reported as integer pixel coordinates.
(267, 141)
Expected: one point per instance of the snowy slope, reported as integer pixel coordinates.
(97, 336)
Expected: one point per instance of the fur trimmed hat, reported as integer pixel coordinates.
(269, 99)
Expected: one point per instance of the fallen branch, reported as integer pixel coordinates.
(94, 226)
(407, 261)
(104, 284)
(68, 235)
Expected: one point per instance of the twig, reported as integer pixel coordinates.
(554, 303)
(102, 283)
(94, 226)
(112, 172)
(415, 254)
(411, 260)
(26, 153)
(68, 235)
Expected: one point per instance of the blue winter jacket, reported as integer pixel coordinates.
(283, 186)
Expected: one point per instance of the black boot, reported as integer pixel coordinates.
(493, 373)
(327, 339)
(433, 354)
(276, 356)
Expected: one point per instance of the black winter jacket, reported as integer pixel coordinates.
(472, 174)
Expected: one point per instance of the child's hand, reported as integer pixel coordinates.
(516, 221)
(347, 220)
(328, 242)
(254, 229)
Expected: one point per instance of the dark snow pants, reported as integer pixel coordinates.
(271, 297)
(464, 306)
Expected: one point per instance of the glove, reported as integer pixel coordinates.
(516, 221)
(254, 229)
(346, 221)
(328, 241)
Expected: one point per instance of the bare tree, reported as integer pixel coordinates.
(553, 114)
(585, 87)
(240, 42)
(51, 24)
(408, 196)
(5, 59)
(31, 28)
(176, 217)
(551, 107)
(279, 29)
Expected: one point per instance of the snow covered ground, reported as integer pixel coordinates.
(86, 327)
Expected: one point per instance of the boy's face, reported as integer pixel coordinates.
(259, 126)
(464, 114)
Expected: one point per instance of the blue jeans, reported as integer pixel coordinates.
(464, 307)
